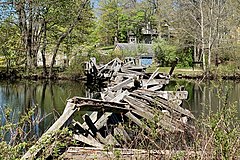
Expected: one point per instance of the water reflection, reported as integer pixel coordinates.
(48, 97)
(206, 97)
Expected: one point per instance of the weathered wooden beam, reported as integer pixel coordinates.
(150, 100)
(101, 107)
(119, 131)
(61, 122)
(126, 154)
(86, 104)
(109, 140)
(168, 125)
(137, 121)
(156, 88)
(140, 103)
(119, 97)
(141, 111)
(168, 95)
(122, 84)
(127, 71)
(171, 105)
(102, 120)
(88, 140)
(155, 73)
(90, 124)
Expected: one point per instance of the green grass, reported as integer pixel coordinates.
(183, 71)
(107, 47)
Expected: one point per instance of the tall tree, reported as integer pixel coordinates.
(118, 18)
(81, 15)
(43, 25)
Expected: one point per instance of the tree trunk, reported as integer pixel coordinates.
(29, 38)
(65, 34)
(43, 52)
(202, 35)
(23, 28)
(210, 38)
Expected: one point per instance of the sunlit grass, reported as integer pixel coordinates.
(189, 71)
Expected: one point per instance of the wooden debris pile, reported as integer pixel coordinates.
(130, 100)
(117, 69)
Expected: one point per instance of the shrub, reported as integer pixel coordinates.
(14, 136)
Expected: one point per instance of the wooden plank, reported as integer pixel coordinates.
(84, 101)
(150, 100)
(79, 127)
(93, 117)
(103, 107)
(119, 131)
(142, 112)
(155, 73)
(156, 88)
(168, 95)
(127, 71)
(137, 121)
(120, 96)
(172, 95)
(147, 85)
(61, 122)
(102, 120)
(166, 118)
(88, 153)
(149, 116)
(164, 103)
(145, 105)
(109, 140)
(124, 75)
(120, 85)
(90, 124)
(88, 140)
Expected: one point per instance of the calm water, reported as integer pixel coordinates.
(50, 98)
(204, 97)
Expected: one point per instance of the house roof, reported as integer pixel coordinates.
(136, 47)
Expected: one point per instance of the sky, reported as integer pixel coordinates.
(95, 3)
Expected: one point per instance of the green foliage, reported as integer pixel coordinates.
(54, 143)
(165, 52)
(219, 132)
(10, 43)
(117, 19)
(13, 138)
(75, 69)
(185, 58)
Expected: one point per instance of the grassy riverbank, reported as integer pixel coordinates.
(227, 72)
(76, 71)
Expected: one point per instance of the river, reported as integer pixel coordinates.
(50, 97)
